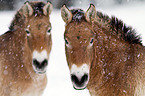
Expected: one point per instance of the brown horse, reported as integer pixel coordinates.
(24, 51)
(103, 54)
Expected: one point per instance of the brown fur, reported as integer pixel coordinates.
(116, 59)
(17, 77)
(75, 54)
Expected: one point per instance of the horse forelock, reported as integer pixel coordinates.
(37, 7)
(78, 15)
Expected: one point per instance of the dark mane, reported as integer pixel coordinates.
(78, 15)
(127, 33)
(37, 8)
(117, 26)
(19, 18)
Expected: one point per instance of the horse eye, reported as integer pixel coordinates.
(92, 40)
(49, 30)
(66, 41)
(28, 32)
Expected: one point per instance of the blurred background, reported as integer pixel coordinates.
(15, 4)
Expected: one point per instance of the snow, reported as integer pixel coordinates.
(58, 75)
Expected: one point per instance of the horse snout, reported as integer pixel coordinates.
(79, 82)
(80, 76)
(40, 61)
(40, 66)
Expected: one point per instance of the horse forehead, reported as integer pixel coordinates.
(80, 28)
(39, 25)
(39, 20)
(79, 33)
(82, 24)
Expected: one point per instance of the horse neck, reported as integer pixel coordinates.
(111, 54)
(17, 55)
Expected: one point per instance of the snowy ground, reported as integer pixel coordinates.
(59, 83)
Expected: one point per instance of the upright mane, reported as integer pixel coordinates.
(126, 33)
(38, 8)
(78, 15)
(19, 18)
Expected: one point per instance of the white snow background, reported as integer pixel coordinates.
(59, 83)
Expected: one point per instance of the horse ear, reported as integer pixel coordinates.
(47, 9)
(27, 9)
(91, 13)
(66, 14)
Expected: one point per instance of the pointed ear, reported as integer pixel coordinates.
(27, 9)
(66, 14)
(91, 13)
(47, 9)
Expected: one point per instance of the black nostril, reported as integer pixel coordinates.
(80, 82)
(40, 64)
(84, 78)
(44, 63)
(35, 62)
(74, 79)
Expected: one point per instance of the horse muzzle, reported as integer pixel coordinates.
(40, 67)
(79, 83)
(80, 76)
(40, 61)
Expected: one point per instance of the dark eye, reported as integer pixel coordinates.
(66, 42)
(28, 32)
(92, 40)
(49, 30)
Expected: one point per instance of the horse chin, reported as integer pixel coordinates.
(40, 72)
(79, 88)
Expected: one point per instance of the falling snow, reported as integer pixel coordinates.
(138, 55)
(22, 65)
(60, 80)
(6, 67)
(124, 91)
(5, 72)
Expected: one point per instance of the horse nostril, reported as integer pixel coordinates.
(45, 62)
(84, 78)
(40, 64)
(74, 79)
(79, 82)
(35, 62)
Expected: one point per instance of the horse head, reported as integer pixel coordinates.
(38, 30)
(79, 38)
